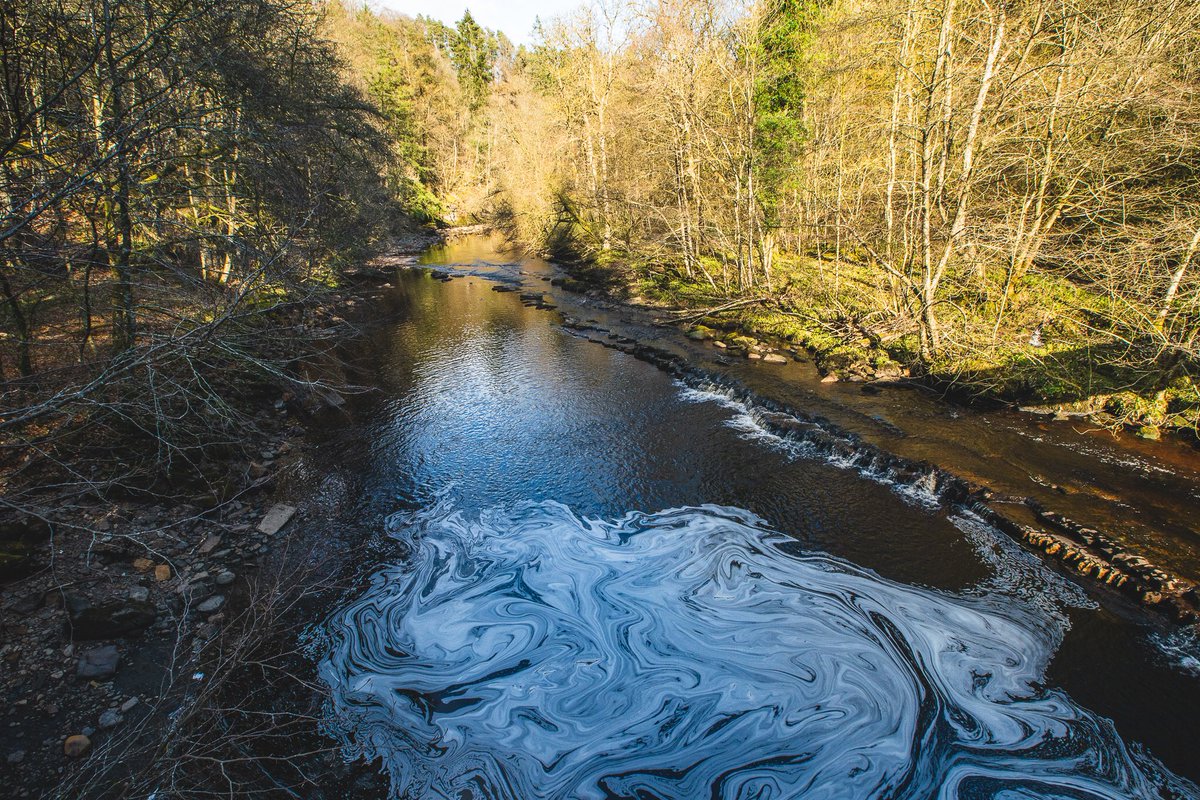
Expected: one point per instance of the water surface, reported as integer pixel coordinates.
(604, 583)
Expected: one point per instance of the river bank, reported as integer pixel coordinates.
(1114, 513)
(132, 623)
(1049, 360)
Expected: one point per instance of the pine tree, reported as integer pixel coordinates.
(473, 54)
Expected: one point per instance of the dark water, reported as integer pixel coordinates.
(604, 583)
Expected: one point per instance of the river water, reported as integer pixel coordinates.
(601, 582)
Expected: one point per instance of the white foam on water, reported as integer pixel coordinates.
(1181, 648)
(530, 653)
(747, 420)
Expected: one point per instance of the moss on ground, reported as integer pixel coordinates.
(843, 313)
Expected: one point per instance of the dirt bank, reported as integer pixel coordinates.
(148, 639)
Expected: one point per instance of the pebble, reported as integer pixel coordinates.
(128, 704)
(162, 573)
(211, 604)
(110, 719)
(76, 745)
(225, 577)
(139, 593)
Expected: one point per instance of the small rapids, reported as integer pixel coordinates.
(755, 424)
(530, 653)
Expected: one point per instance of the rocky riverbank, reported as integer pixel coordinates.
(121, 609)
(1056, 377)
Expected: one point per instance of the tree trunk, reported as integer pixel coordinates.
(124, 331)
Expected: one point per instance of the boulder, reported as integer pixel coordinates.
(99, 663)
(111, 620)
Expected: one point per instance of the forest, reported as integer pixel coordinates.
(291, 412)
(999, 199)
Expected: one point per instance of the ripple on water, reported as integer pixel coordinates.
(530, 653)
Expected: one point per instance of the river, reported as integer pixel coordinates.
(600, 581)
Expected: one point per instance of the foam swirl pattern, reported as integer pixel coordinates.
(529, 653)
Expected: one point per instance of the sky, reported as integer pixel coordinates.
(514, 17)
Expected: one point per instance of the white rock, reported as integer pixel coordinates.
(279, 515)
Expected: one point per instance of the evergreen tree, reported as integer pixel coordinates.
(779, 91)
(473, 54)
